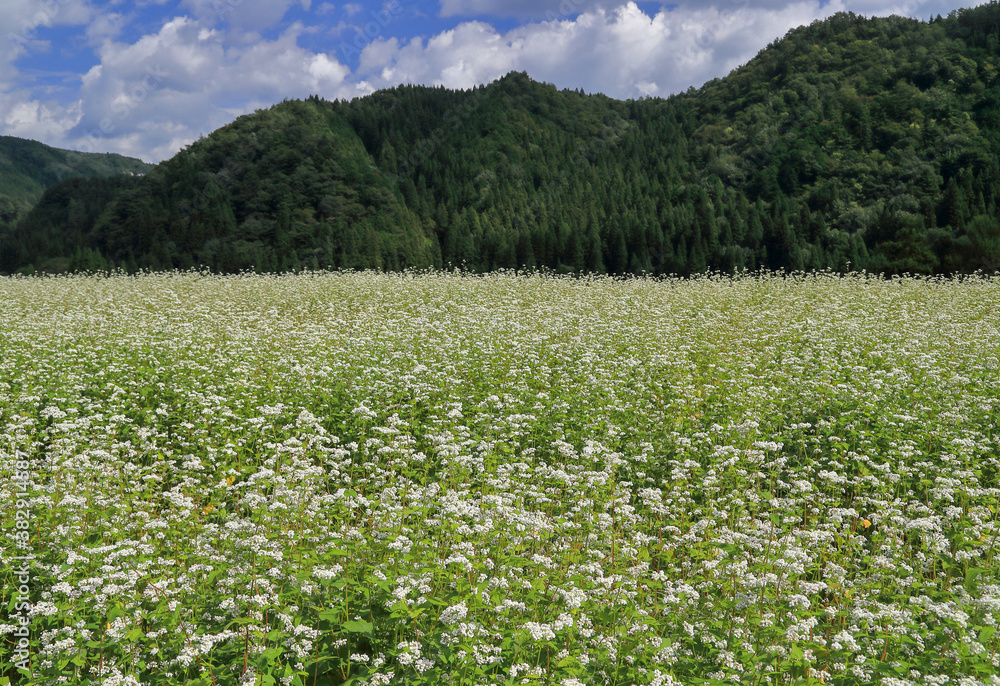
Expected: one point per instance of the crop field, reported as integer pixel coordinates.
(437, 478)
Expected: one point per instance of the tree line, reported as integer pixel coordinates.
(852, 143)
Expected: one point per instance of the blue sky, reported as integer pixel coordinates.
(147, 77)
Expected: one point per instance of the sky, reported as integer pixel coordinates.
(145, 78)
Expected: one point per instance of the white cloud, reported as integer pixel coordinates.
(106, 26)
(38, 121)
(22, 22)
(152, 97)
(622, 52)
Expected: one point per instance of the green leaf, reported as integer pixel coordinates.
(358, 627)
(607, 615)
(266, 658)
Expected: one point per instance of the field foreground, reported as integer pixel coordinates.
(447, 479)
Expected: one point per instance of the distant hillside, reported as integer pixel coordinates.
(28, 168)
(852, 143)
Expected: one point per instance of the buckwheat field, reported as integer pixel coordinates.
(358, 478)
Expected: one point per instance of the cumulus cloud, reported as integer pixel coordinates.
(26, 118)
(105, 27)
(23, 23)
(623, 52)
(152, 97)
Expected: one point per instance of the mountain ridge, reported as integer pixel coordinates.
(851, 143)
(28, 168)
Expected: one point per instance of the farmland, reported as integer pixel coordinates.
(438, 478)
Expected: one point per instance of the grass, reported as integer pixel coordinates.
(447, 479)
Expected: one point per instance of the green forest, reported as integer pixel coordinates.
(28, 168)
(853, 143)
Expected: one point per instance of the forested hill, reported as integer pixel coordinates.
(852, 143)
(27, 168)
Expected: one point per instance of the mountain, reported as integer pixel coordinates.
(28, 168)
(852, 143)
